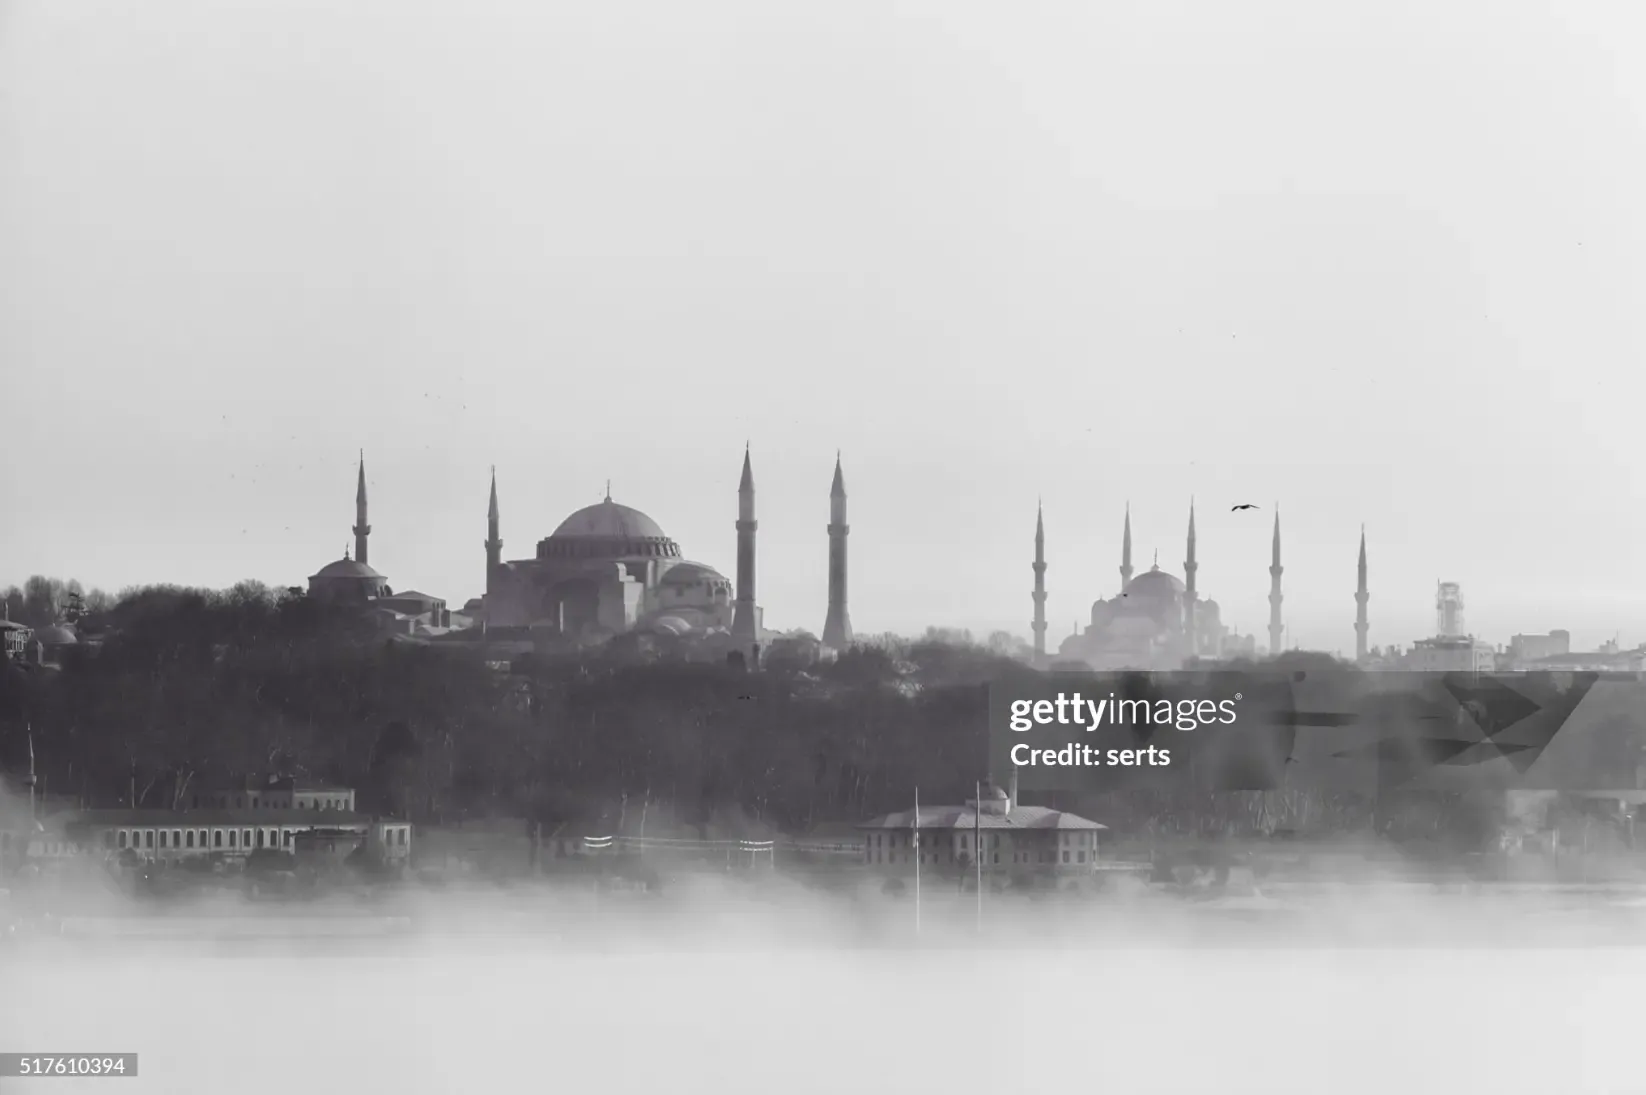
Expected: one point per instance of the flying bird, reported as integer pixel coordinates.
(1243, 505)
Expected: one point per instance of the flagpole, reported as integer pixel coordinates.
(33, 816)
(977, 849)
(918, 856)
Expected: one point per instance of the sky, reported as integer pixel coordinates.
(1377, 262)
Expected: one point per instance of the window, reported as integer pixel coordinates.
(177, 838)
(997, 857)
(217, 838)
(122, 838)
(245, 839)
(259, 838)
(188, 841)
(232, 834)
(1065, 855)
(148, 839)
(1080, 857)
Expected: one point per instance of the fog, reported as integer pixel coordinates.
(757, 983)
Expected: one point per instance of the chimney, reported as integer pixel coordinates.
(1011, 791)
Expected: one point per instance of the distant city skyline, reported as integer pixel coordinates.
(1086, 256)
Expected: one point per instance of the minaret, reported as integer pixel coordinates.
(494, 542)
(1126, 552)
(1276, 629)
(745, 631)
(1039, 625)
(837, 626)
(361, 528)
(1189, 567)
(1361, 597)
(29, 780)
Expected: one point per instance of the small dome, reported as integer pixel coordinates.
(609, 520)
(687, 573)
(673, 625)
(347, 568)
(56, 635)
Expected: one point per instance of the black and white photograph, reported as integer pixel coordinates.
(884, 546)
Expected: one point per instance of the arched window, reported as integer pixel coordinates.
(188, 839)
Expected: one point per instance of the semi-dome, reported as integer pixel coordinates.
(609, 520)
(687, 573)
(347, 568)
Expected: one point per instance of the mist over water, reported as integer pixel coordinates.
(1375, 987)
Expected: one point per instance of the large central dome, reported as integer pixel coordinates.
(608, 520)
(607, 530)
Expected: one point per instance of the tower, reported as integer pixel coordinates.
(362, 528)
(1361, 597)
(1189, 567)
(1276, 629)
(745, 629)
(837, 626)
(1126, 551)
(1039, 624)
(494, 542)
(1449, 610)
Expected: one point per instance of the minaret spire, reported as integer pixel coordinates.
(1276, 628)
(494, 540)
(1189, 567)
(837, 625)
(745, 616)
(1362, 595)
(1039, 624)
(362, 527)
(1126, 551)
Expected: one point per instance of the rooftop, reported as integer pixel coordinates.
(967, 817)
(186, 819)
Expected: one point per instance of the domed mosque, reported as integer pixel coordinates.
(1156, 622)
(606, 570)
(609, 569)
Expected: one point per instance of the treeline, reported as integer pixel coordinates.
(191, 687)
(194, 686)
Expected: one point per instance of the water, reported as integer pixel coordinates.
(639, 1009)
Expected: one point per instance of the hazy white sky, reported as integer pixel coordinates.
(1380, 261)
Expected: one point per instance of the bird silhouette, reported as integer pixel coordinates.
(1243, 505)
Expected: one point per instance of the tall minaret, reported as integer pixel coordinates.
(361, 528)
(837, 626)
(745, 630)
(1039, 625)
(1362, 595)
(1126, 551)
(494, 541)
(1189, 567)
(1276, 628)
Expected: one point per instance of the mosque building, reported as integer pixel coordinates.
(1159, 622)
(607, 570)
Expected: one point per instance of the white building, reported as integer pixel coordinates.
(1006, 835)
